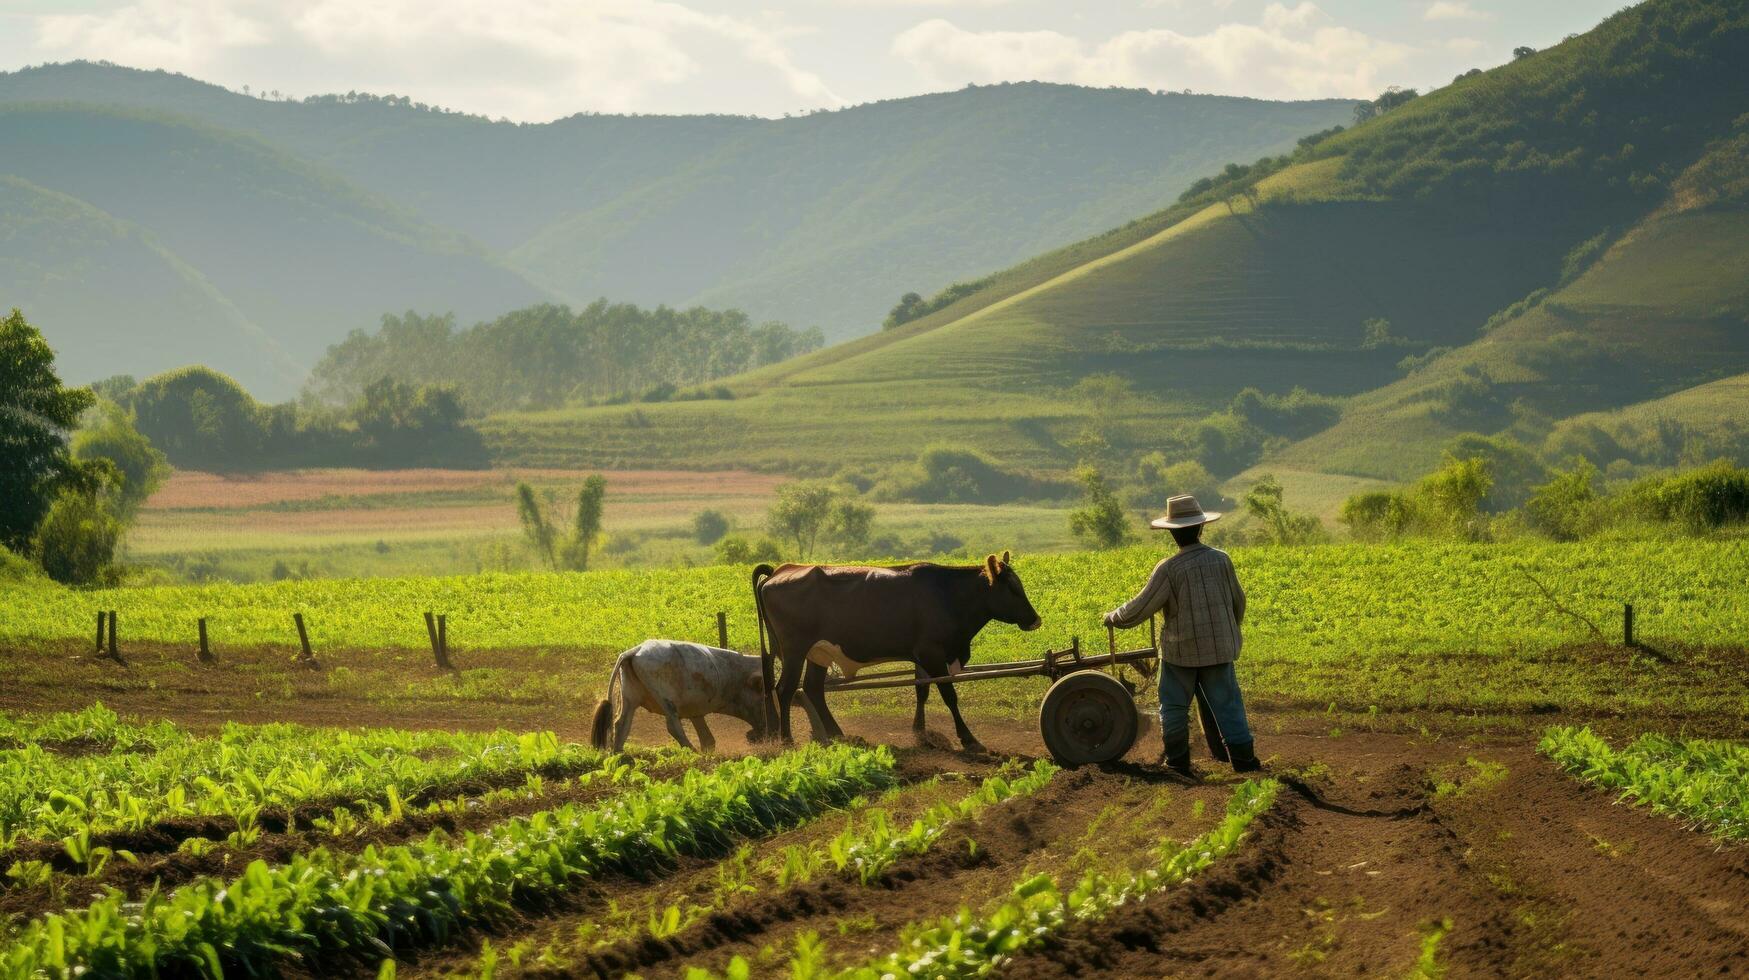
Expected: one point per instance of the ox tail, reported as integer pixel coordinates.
(760, 574)
(601, 727)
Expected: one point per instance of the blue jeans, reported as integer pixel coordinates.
(1220, 691)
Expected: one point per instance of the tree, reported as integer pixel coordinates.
(808, 512)
(36, 412)
(201, 419)
(1275, 523)
(908, 309)
(1522, 51)
(586, 526)
(535, 527)
(1100, 518)
(709, 526)
(141, 466)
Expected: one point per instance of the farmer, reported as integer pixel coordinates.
(1203, 607)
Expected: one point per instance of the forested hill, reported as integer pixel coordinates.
(824, 219)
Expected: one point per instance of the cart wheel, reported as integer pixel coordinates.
(1088, 717)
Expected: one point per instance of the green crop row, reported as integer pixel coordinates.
(1700, 780)
(245, 769)
(972, 945)
(322, 905)
(871, 848)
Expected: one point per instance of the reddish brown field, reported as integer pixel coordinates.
(193, 489)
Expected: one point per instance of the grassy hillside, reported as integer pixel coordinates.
(298, 252)
(67, 262)
(822, 219)
(1621, 341)
(1432, 218)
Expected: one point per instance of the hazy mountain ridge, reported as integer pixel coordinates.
(823, 219)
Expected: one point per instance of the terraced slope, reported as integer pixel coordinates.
(1657, 328)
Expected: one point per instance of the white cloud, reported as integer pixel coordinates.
(1292, 52)
(1464, 45)
(529, 59)
(1454, 10)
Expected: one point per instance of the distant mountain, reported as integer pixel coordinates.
(818, 220)
(1564, 234)
(261, 249)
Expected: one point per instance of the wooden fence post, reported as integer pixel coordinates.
(1627, 624)
(307, 658)
(723, 629)
(114, 650)
(443, 642)
(206, 652)
(98, 650)
(431, 633)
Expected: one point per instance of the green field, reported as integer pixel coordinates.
(1452, 628)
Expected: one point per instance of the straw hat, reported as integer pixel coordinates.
(1182, 511)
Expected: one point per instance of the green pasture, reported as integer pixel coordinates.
(1460, 629)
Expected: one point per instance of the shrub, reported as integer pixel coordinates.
(1297, 414)
(75, 543)
(738, 549)
(1378, 516)
(709, 526)
(955, 475)
(1100, 518)
(1699, 500)
(1274, 523)
(1157, 480)
(1564, 508)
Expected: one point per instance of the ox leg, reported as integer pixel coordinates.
(952, 700)
(706, 743)
(787, 683)
(674, 727)
(922, 698)
(814, 689)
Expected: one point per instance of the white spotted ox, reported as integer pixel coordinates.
(680, 680)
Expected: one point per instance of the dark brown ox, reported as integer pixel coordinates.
(853, 616)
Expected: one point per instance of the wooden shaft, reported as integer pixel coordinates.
(206, 653)
(443, 641)
(723, 629)
(112, 645)
(431, 632)
(100, 618)
(1023, 668)
(303, 635)
(1627, 624)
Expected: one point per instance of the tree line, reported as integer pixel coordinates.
(548, 356)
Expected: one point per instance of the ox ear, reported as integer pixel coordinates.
(1007, 558)
(991, 570)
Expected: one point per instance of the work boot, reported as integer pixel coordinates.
(1244, 757)
(1176, 753)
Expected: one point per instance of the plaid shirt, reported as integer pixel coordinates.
(1203, 605)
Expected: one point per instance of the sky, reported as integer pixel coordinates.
(534, 60)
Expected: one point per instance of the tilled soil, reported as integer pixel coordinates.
(1379, 843)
